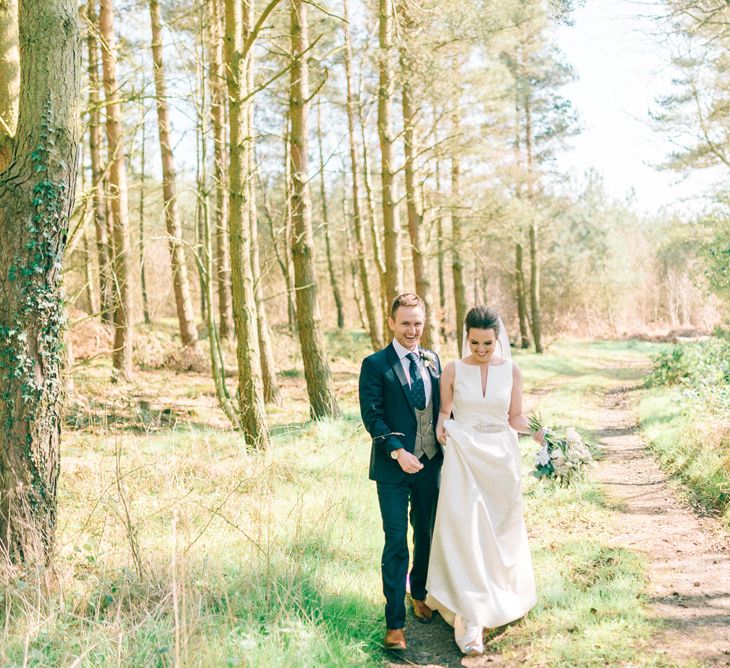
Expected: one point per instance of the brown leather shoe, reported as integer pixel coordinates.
(421, 611)
(395, 639)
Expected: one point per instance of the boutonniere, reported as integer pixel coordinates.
(428, 358)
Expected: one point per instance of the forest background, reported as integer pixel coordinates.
(256, 182)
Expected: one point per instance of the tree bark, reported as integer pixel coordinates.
(180, 281)
(217, 114)
(103, 248)
(326, 225)
(123, 329)
(521, 291)
(391, 224)
(374, 316)
(251, 389)
(316, 369)
(36, 200)
(9, 77)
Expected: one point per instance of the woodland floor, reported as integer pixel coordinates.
(687, 592)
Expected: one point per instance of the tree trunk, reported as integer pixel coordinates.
(89, 276)
(326, 225)
(535, 288)
(382, 294)
(414, 212)
(9, 77)
(316, 369)
(180, 282)
(142, 272)
(272, 394)
(534, 262)
(521, 291)
(374, 316)
(457, 268)
(201, 164)
(289, 274)
(440, 256)
(353, 264)
(123, 330)
(103, 249)
(251, 388)
(217, 114)
(391, 224)
(36, 200)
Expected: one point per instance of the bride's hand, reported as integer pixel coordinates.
(441, 435)
(539, 436)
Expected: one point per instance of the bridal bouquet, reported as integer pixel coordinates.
(562, 457)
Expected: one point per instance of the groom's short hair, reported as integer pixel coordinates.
(408, 299)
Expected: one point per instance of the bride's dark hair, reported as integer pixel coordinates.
(482, 317)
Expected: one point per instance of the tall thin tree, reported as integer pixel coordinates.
(457, 266)
(316, 368)
(391, 223)
(413, 207)
(180, 281)
(374, 317)
(334, 281)
(217, 114)
(140, 220)
(250, 382)
(118, 194)
(272, 393)
(103, 247)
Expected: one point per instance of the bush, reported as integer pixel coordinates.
(694, 365)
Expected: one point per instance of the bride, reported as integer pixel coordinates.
(480, 571)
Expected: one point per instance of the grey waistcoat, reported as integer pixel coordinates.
(425, 437)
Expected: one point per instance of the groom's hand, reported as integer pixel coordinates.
(409, 462)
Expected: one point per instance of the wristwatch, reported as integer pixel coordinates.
(394, 453)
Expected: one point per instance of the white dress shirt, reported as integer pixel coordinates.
(402, 351)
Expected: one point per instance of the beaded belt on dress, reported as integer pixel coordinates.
(489, 427)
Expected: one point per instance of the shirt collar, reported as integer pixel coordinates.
(402, 351)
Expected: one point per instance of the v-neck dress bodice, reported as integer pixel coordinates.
(471, 405)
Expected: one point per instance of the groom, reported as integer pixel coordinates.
(399, 404)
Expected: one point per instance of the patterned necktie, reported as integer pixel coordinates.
(418, 389)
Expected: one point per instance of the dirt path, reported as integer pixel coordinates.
(688, 558)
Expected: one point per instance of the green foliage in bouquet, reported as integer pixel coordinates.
(562, 457)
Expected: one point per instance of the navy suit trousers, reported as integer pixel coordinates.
(421, 490)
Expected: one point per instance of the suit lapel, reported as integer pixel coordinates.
(397, 365)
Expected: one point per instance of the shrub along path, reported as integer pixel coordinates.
(686, 558)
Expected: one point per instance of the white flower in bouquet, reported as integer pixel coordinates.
(572, 436)
(542, 458)
(562, 458)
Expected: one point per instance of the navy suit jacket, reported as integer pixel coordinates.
(387, 410)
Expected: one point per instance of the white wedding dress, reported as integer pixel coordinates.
(480, 571)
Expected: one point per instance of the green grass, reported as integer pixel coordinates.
(692, 444)
(272, 559)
